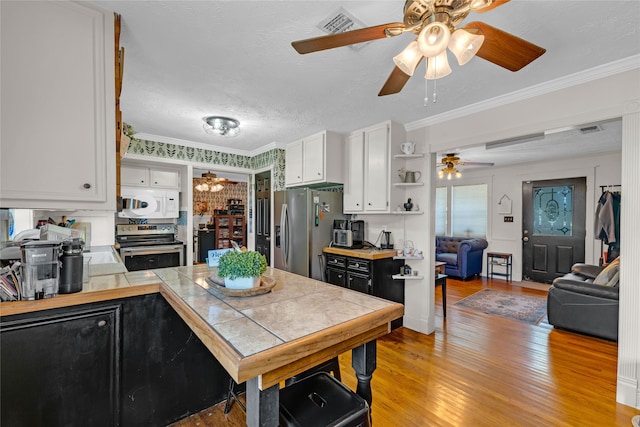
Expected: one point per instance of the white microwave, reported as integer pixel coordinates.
(145, 203)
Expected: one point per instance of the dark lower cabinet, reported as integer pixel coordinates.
(368, 276)
(61, 368)
(127, 362)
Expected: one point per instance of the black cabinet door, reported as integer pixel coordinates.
(61, 368)
(167, 372)
(336, 277)
(359, 282)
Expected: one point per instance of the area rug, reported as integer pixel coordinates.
(524, 308)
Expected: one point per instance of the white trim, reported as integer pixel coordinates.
(601, 71)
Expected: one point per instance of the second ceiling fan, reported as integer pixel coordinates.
(434, 22)
(450, 163)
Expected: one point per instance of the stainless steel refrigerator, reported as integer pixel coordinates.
(304, 226)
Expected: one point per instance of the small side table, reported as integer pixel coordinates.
(500, 259)
(441, 279)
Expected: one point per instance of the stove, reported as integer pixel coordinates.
(148, 246)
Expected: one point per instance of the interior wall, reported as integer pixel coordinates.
(603, 169)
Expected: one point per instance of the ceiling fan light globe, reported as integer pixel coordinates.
(465, 45)
(437, 67)
(433, 39)
(408, 59)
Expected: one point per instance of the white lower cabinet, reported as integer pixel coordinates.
(58, 112)
(369, 167)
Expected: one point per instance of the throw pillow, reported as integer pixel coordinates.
(610, 275)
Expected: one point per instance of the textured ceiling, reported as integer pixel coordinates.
(188, 59)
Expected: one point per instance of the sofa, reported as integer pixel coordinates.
(586, 301)
(462, 255)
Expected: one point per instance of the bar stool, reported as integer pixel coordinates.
(330, 366)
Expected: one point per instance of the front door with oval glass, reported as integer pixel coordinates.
(553, 227)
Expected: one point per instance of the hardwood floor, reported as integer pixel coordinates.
(482, 370)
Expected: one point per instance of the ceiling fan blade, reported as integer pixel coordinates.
(504, 49)
(348, 37)
(476, 163)
(394, 84)
(492, 6)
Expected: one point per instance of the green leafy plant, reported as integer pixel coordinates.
(234, 264)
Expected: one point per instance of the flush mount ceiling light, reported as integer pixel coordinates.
(209, 182)
(435, 25)
(218, 125)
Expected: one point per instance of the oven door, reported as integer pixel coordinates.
(148, 257)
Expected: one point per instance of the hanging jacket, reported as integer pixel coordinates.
(605, 219)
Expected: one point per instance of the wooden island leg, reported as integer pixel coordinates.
(363, 361)
(263, 409)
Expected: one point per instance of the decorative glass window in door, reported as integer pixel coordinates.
(552, 211)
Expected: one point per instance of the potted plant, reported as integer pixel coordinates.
(241, 269)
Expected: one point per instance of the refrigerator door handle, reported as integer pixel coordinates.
(284, 235)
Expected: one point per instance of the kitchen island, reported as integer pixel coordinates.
(263, 339)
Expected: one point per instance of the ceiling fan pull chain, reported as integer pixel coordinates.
(426, 92)
(435, 87)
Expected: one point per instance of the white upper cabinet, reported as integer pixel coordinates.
(293, 164)
(314, 160)
(369, 168)
(354, 173)
(155, 177)
(58, 106)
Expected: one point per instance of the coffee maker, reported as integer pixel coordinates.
(40, 269)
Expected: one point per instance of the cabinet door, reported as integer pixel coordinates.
(134, 176)
(377, 169)
(354, 186)
(165, 179)
(293, 163)
(313, 159)
(58, 121)
(61, 369)
(336, 277)
(359, 282)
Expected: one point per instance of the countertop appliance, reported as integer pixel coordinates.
(305, 227)
(348, 234)
(148, 246)
(146, 203)
(386, 240)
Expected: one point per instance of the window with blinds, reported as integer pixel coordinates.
(461, 210)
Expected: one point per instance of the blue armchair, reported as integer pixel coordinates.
(462, 255)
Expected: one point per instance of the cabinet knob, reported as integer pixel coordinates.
(319, 173)
(86, 185)
(369, 203)
(101, 323)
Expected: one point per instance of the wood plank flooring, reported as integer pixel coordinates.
(482, 370)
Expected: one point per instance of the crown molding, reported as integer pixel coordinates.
(585, 76)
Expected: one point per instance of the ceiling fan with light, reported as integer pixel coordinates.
(210, 182)
(434, 22)
(449, 164)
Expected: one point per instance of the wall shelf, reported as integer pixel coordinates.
(407, 212)
(408, 184)
(406, 277)
(408, 257)
(408, 156)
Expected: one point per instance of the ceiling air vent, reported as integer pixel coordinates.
(341, 21)
(590, 129)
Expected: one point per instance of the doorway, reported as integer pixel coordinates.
(263, 214)
(553, 227)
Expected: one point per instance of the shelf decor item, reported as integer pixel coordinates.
(408, 206)
(241, 269)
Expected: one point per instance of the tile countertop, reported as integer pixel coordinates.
(274, 335)
(367, 253)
